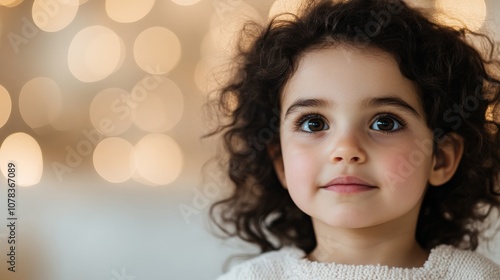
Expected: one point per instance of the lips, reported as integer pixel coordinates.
(348, 184)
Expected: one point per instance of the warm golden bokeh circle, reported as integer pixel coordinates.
(24, 151)
(95, 53)
(285, 6)
(185, 2)
(10, 3)
(470, 13)
(5, 106)
(126, 11)
(113, 160)
(158, 159)
(157, 50)
(53, 16)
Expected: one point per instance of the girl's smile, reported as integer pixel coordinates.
(348, 185)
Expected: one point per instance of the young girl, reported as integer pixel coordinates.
(363, 143)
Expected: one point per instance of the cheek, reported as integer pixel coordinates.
(297, 166)
(300, 177)
(408, 166)
(300, 168)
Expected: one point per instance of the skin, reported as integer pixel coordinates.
(350, 112)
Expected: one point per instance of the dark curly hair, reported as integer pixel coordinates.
(458, 87)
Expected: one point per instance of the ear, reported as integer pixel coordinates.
(446, 159)
(274, 152)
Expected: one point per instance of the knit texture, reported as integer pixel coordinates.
(444, 263)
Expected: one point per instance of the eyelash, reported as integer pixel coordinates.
(306, 117)
(400, 121)
(310, 115)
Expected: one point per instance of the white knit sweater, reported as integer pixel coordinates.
(444, 262)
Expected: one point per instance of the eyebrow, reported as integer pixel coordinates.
(391, 101)
(370, 102)
(312, 102)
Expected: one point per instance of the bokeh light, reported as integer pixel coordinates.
(110, 112)
(125, 11)
(158, 104)
(52, 16)
(212, 70)
(157, 50)
(185, 2)
(470, 13)
(426, 4)
(40, 102)
(5, 105)
(225, 28)
(95, 53)
(21, 149)
(220, 44)
(113, 160)
(204, 76)
(158, 159)
(285, 6)
(492, 115)
(10, 3)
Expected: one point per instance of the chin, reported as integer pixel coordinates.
(347, 222)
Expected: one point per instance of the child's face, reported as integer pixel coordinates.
(349, 115)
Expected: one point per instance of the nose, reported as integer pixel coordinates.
(347, 149)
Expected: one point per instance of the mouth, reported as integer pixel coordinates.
(348, 184)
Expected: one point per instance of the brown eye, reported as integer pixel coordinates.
(314, 124)
(386, 124)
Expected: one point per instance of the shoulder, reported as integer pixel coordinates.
(270, 265)
(462, 264)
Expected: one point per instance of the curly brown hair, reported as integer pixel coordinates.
(458, 87)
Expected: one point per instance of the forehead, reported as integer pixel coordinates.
(348, 72)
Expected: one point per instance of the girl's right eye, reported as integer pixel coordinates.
(312, 124)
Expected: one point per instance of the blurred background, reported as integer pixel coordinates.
(101, 110)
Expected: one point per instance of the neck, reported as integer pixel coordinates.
(391, 244)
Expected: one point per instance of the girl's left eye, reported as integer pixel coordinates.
(387, 124)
